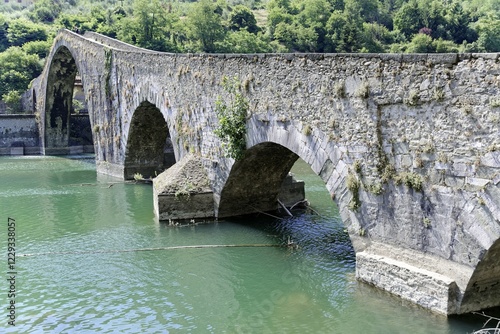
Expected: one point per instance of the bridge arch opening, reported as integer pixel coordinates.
(33, 107)
(483, 288)
(149, 148)
(65, 131)
(260, 179)
(255, 181)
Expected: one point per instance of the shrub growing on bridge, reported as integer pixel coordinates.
(232, 118)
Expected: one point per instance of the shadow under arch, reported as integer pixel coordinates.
(60, 133)
(483, 288)
(255, 181)
(149, 149)
(33, 106)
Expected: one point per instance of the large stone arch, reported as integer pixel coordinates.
(59, 89)
(58, 100)
(149, 150)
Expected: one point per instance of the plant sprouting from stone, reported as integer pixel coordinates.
(411, 180)
(357, 167)
(232, 118)
(108, 63)
(353, 185)
(412, 98)
(307, 130)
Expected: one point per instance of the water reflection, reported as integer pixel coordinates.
(309, 289)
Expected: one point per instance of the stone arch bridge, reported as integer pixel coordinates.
(408, 147)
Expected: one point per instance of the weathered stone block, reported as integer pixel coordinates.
(477, 182)
(76, 149)
(292, 191)
(183, 191)
(454, 181)
(428, 289)
(462, 169)
(491, 159)
(17, 150)
(184, 207)
(401, 148)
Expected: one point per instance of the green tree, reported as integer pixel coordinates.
(13, 100)
(344, 29)
(313, 16)
(432, 16)
(242, 41)
(150, 26)
(232, 116)
(21, 31)
(45, 11)
(376, 38)
(421, 43)
(75, 22)
(489, 34)
(17, 69)
(279, 11)
(205, 25)
(39, 48)
(314, 12)
(408, 19)
(369, 10)
(444, 46)
(4, 42)
(457, 22)
(242, 17)
(335, 30)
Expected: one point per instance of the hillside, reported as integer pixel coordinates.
(247, 26)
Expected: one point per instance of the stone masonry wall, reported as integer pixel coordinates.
(18, 131)
(408, 145)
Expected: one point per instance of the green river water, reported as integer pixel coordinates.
(88, 268)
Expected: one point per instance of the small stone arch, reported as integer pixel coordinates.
(33, 102)
(149, 150)
(483, 288)
(253, 183)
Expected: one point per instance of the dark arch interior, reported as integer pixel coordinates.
(484, 286)
(62, 130)
(149, 148)
(256, 180)
(33, 93)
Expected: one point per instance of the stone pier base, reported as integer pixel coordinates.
(426, 280)
(183, 192)
(107, 168)
(292, 191)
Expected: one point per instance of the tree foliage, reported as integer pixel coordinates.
(242, 17)
(17, 69)
(234, 26)
(22, 31)
(4, 41)
(205, 25)
(232, 116)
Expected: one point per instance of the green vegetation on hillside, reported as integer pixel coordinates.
(247, 26)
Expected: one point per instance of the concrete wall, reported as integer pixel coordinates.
(18, 135)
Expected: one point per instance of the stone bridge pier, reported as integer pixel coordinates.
(408, 147)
